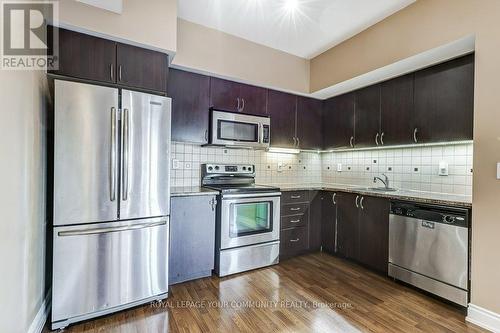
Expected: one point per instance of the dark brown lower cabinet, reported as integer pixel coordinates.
(328, 221)
(294, 241)
(363, 229)
(300, 223)
(347, 225)
(315, 222)
(373, 230)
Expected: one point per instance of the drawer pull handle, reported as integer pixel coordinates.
(295, 196)
(294, 240)
(295, 209)
(295, 221)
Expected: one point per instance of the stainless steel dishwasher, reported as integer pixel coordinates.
(429, 248)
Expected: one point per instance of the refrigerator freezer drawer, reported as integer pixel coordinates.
(101, 268)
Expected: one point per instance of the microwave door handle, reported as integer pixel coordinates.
(261, 133)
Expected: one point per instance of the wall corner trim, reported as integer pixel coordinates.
(484, 318)
(41, 317)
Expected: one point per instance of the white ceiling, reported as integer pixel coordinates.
(312, 28)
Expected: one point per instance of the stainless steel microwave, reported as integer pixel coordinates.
(233, 129)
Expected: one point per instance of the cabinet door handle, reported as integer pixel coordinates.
(361, 202)
(243, 106)
(294, 221)
(206, 135)
(351, 142)
(415, 132)
(238, 105)
(111, 72)
(382, 138)
(295, 209)
(357, 203)
(120, 73)
(376, 139)
(294, 240)
(295, 196)
(333, 198)
(294, 142)
(298, 142)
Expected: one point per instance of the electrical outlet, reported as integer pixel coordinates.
(339, 167)
(281, 166)
(176, 164)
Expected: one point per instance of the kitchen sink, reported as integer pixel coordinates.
(382, 189)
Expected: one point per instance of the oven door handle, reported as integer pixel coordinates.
(250, 195)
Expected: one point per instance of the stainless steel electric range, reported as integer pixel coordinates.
(248, 218)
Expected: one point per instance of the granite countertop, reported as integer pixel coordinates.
(418, 196)
(185, 191)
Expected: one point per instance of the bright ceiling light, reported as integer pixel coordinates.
(291, 5)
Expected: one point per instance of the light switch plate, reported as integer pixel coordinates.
(176, 164)
(281, 166)
(339, 167)
(498, 170)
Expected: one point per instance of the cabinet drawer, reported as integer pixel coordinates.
(293, 241)
(294, 209)
(294, 196)
(294, 221)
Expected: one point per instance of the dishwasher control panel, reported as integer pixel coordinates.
(432, 213)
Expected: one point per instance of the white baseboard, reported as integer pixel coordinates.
(41, 316)
(484, 318)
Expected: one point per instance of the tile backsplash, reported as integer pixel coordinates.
(296, 168)
(413, 168)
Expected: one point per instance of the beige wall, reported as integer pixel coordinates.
(151, 22)
(209, 50)
(22, 198)
(422, 26)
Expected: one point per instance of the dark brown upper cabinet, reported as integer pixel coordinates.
(338, 122)
(282, 108)
(444, 101)
(367, 115)
(253, 99)
(396, 111)
(141, 68)
(233, 96)
(190, 95)
(96, 59)
(86, 57)
(309, 128)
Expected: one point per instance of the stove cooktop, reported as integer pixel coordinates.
(247, 188)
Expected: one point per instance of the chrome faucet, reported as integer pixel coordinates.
(386, 181)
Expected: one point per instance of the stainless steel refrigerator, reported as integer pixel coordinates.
(111, 200)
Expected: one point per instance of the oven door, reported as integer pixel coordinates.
(239, 130)
(248, 219)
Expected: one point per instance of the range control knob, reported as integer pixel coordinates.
(217, 167)
(249, 168)
(210, 168)
(449, 219)
(244, 168)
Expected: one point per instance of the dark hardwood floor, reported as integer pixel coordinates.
(311, 293)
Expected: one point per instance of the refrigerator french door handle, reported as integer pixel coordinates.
(125, 153)
(112, 162)
(108, 230)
